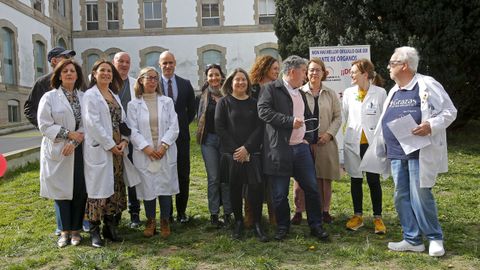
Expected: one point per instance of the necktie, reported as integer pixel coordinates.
(170, 89)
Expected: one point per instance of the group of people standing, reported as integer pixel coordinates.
(256, 131)
(121, 132)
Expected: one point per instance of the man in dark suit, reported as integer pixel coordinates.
(181, 91)
(286, 149)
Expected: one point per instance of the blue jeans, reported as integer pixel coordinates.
(304, 174)
(165, 207)
(415, 206)
(218, 192)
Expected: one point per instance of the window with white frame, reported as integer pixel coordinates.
(7, 64)
(266, 11)
(13, 110)
(92, 16)
(40, 63)
(112, 15)
(210, 13)
(152, 12)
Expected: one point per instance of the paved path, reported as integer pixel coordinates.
(20, 140)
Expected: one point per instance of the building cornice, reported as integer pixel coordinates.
(174, 31)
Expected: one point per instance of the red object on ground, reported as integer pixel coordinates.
(3, 165)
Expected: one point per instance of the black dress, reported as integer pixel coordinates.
(237, 124)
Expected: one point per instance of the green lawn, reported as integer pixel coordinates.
(27, 224)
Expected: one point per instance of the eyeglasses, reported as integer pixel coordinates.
(393, 63)
(209, 66)
(151, 78)
(315, 70)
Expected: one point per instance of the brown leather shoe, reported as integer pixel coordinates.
(164, 228)
(297, 219)
(327, 218)
(150, 228)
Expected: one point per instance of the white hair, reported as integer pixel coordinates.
(293, 62)
(408, 55)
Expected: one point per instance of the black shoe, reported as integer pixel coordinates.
(215, 221)
(319, 232)
(281, 234)
(134, 220)
(227, 219)
(238, 230)
(257, 228)
(95, 234)
(109, 230)
(182, 218)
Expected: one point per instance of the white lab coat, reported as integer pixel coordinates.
(56, 170)
(165, 180)
(359, 116)
(436, 108)
(98, 160)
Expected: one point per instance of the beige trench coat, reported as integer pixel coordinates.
(330, 117)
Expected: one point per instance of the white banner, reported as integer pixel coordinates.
(338, 60)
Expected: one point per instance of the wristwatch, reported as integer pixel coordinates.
(166, 146)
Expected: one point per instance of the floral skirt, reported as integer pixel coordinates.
(115, 204)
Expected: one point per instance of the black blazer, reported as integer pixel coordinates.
(275, 108)
(41, 86)
(184, 107)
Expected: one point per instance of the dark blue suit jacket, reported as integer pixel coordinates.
(184, 107)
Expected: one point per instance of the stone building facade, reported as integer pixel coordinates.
(231, 33)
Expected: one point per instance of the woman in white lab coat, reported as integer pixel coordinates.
(154, 124)
(104, 146)
(362, 107)
(61, 157)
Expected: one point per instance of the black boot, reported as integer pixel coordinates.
(257, 228)
(237, 230)
(95, 234)
(215, 221)
(109, 229)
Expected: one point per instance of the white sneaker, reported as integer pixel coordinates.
(436, 248)
(405, 246)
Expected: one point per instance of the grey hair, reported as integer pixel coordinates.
(408, 55)
(293, 62)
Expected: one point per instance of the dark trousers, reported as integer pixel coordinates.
(254, 198)
(133, 203)
(71, 211)
(356, 190)
(304, 173)
(165, 207)
(183, 168)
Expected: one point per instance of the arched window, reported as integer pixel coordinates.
(211, 57)
(149, 57)
(151, 60)
(61, 43)
(8, 64)
(13, 110)
(270, 51)
(40, 63)
(210, 54)
(91, 59)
